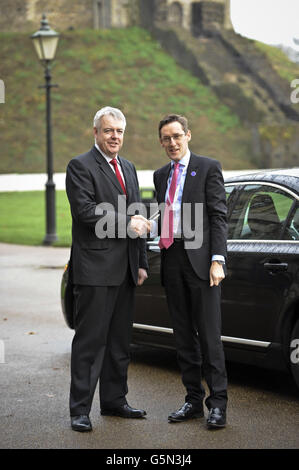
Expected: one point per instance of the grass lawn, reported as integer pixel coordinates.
(22, 218)
(125, 68)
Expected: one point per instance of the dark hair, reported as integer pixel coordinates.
(174, 118)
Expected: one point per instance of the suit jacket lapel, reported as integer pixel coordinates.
(130, 182)
(191, 177)
(106, 168)
(163, 182)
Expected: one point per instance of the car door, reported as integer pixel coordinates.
(258, 261)
(151, 305)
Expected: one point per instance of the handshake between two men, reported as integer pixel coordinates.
(140, 225)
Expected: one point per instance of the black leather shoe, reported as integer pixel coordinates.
(124, 411)
(188, 411)
(81, 423)
(216, 418)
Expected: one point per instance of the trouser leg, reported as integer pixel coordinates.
(113, 378)
(92, 318)
(207, 308)
(195, 311)
(100, 348)
(185, 330)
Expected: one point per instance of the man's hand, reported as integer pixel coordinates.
(216, 274)
(142, 276)
(140, 225)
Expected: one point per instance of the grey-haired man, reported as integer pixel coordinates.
(105, 271)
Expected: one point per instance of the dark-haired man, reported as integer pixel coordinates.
(193, 250)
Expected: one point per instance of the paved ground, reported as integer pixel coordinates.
(263, 410)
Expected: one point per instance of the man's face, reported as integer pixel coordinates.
(110, 135)
(174, 140)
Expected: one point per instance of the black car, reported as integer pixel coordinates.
(260, 294)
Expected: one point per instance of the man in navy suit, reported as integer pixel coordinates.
(193, 254)
(106, 267)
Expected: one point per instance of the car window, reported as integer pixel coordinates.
(292, 227)
(260, 213)
(230, 191)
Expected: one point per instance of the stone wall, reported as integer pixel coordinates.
(25, 15)
(185, 12)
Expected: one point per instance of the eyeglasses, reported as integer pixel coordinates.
(176, 137)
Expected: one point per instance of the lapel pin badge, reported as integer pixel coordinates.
(193, 173)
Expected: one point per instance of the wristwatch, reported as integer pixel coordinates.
(220, 261)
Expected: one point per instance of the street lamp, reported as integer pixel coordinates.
(45, 41)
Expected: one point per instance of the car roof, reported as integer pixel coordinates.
(288, 177)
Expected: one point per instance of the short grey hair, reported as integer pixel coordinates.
(114, 112)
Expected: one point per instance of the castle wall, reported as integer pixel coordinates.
(169, 7)
(25, 15)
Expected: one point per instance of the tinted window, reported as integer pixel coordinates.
(230, 192)
(292, 228)
(260, 213)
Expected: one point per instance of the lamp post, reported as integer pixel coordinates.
(45, 41)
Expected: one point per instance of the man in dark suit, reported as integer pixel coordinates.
(107, 264)
(193, 251)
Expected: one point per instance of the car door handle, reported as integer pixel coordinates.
(276, 267)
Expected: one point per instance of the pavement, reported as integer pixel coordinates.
(35, 377)
(37, 181)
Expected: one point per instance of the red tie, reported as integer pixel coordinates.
(166, 239)
(118, 175)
